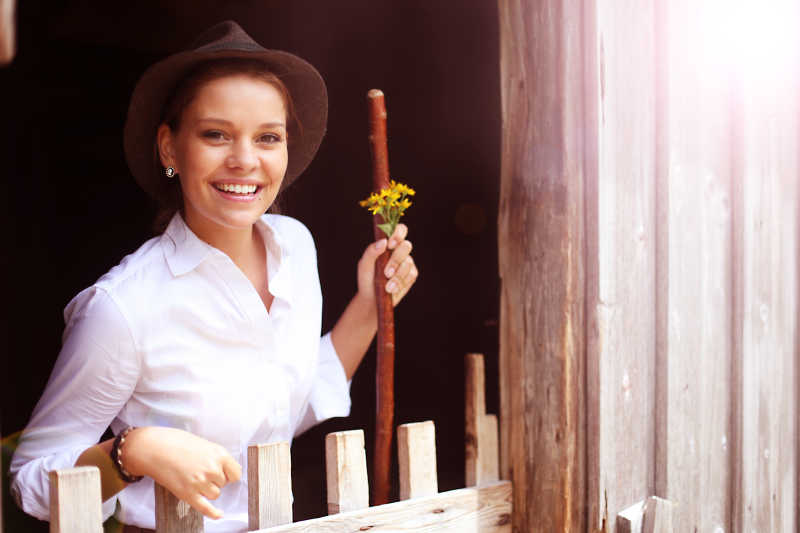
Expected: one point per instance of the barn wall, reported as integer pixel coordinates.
(689, 256)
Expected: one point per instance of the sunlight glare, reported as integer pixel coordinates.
(756, 42)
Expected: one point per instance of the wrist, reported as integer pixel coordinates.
(135, 451)
(120, 454)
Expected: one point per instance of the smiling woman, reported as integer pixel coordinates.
(207, 338)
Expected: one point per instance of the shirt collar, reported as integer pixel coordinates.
(184, 251)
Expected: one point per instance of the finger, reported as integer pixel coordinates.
(202, 505)
(217, 477)
(406, 285)
(372, 251)
(399, 235)
(405, 277)
(399, 279)
(210, 491)
(232, 470)
(398, 256)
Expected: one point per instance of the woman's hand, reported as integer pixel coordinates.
(190, 467)
(356, 328)
(400, 271)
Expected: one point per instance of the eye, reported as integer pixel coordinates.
(269, 138)
(214, 135)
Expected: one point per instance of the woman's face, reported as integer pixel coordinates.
(230, 152)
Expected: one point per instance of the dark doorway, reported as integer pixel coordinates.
(74, 211)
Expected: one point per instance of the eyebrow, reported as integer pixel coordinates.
(229, 123)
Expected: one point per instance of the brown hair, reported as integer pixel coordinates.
(183, 94)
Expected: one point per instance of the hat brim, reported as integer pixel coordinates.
(304, 83)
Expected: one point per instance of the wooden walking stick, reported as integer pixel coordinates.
(384, 374)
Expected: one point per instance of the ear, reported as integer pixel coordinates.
(166, 146)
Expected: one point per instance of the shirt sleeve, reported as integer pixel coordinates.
(330, 393)
(94, 375)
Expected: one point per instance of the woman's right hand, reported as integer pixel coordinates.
(190, 467)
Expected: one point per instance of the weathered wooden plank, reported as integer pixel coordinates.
(766, 284)
(480, 430)
(488, 450)
(485, 509)
(75, 501)
(346, 471)
(693, 405)
(541, 247)
(630, 519)
(269, 485)
(659, 516)
(620, 256)
(174, 515)
(416, 451)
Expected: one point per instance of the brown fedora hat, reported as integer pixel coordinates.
(224, 40)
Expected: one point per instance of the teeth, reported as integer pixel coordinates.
(236, 188)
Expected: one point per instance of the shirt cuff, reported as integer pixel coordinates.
(30, 486)
(330, 393)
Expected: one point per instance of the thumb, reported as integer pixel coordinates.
(366, 265)
(374, 250)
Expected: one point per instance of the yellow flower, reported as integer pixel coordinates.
(390, 203)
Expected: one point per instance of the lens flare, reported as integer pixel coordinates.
(755, 42)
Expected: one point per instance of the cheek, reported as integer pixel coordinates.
(196, 161)
(275, 163)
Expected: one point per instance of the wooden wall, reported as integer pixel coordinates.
(648, 238)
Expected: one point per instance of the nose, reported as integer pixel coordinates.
(242, 156)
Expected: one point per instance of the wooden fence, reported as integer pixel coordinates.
(484, 507)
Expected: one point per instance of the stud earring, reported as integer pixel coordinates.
(169, 171)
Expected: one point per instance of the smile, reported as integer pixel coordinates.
(231, 188)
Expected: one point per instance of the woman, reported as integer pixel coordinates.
(206, 339)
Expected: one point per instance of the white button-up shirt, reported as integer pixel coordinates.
(177, 336)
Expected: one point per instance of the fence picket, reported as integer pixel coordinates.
(269, 485)
(346, 471)
(174, 515)
(416, 451)
(482, 464)
(75, 500)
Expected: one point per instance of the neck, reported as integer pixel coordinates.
(236, 243)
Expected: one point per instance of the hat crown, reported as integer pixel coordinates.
(226, 35)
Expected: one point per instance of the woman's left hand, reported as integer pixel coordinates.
(400, 271)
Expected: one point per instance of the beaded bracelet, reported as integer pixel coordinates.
(116, 457)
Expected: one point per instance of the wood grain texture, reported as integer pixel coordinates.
(416, 454)
(659, 516)
(630, 519)
(693, 405)
(766, 290)
(541, 262)
(269, 485)
(620, 256)
(346, 471)
(480, 430)
(485, 509)
(174, 515)
(75, 500)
